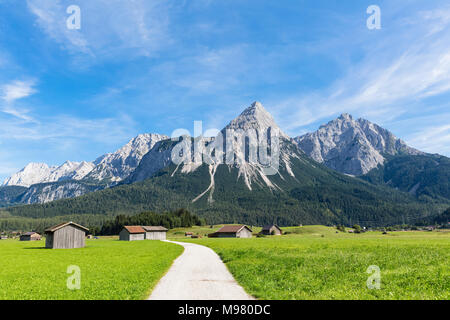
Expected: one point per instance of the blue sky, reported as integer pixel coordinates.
(157, 65)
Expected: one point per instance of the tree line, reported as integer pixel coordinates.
(173, 219)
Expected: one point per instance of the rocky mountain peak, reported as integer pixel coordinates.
(120, 164)
(352, 146)
(346, 117)
(255, 117)
(32, 173)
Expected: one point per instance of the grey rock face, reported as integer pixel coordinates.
(44, 182)
(119, 165)
(352, 146)
(43, 193)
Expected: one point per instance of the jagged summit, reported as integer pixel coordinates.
(352, 146)
(31, 174)
(345, 116)
(348, 145)
(112, 166)
(35, 173)
(120, 164)
(255, 117)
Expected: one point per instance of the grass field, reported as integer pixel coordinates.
(110, 269)
(315, 262)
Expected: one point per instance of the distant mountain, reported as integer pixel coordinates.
(48, 192)
(115, 167)
(243, 191)
(352, 146)
(362, 148)
(72, 179)
(35, 173)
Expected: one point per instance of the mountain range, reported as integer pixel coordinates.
(347, 171)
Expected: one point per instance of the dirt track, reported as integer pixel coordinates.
(198, 274)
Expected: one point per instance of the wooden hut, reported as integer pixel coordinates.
(155, 233)
(132, 233)
(67, 235)
(30, 236)
(272, 229)
(232, 232)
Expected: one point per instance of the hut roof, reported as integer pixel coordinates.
(62, 225)
(269, 226)
(154, 228)
(30, 233)
(134, 229)
(232, 229)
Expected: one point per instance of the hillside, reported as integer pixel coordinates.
(424, 176)
(352, 146)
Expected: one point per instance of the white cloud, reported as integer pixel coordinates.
(17, 90)
(109, 28)
(61, 127)
(13, 91)
(433, 139)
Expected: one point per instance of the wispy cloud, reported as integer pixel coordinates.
(57, 128)
(433, 139)
(124, 28)
(13, 91)
(17, 90)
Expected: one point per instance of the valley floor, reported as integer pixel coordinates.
(315, 262)
(311, 262)
(109, 269)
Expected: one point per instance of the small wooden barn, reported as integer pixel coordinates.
(132, 233)
(67, 235)
(241, 231)
(30, 236)
(272, 229)
(155, 233)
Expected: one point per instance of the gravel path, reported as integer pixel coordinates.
(198, 274)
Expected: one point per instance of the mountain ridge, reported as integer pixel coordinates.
(302, 190)
(352, 146)
(147, 154)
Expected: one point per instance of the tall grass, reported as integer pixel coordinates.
(110, 269)
(318, 263)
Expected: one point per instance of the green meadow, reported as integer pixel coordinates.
(315, 262)
(110, 269)
(311, 262)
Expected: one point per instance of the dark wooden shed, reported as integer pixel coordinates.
(240, 231)
(30, 236)
(67, 235)
(272, 229)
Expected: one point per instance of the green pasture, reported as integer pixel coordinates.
(315, 262)
(109, 269)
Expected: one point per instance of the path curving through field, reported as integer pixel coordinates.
(198, 274)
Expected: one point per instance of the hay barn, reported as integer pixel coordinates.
(30, 236)
(132, 233)
(271, 230)
(232, 232)
(67, 235)
(155, 233)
